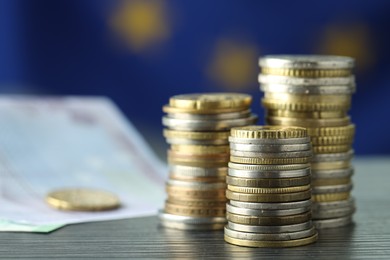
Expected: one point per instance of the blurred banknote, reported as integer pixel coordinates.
(51, 143)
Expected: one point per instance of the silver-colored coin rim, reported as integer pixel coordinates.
(332, 188)
(297, 154)
(270, 148)
(197, 142)
(334, 213)
(192, 171)
(219, 116)
(269, 237)
(190, 220)
(350, 202)
(308, 90)
(268, 174)
(271, 206)
(207, 125)
(333, 157)
(270, 167)
(332, 223)
(265, 213)
(185, 226)
(287, 80)
(332, 174)
(306, 62)
(287, 141)
(195, 185)
(270, 229)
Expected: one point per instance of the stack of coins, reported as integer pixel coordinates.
(197, 130)
(315, 92)
(269, 187)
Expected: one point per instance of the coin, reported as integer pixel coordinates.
(199, 194)
(332, 140)
(335, 165)
(186, 226)
(333, 205)
(198, 171)
(268, 221)
(334, 181)
(195, 211)
(333, 213)
(221, 203)
(184, 141)
(172, 110)
(191, 220)
(276, 155)
(305, 106)
(308, 99)
(256, 141)
(332, 188)
(287, 197)
(309, 89)
(329, 197)
(332, 223)
(332, 131)
(272, 205)
(333, 157)
(195, 185)
(265, 213)
(308, 122)
(270, 229)
(306, 62)
(259, 190)
(270, 148)
(82, 199)
(331, 174)
(306, 114)
(285, 80)
(201, 149)
(259, 167)
(269, 174)
(268, 183)
(306, 73)
(187, 178)
(331, 148)
(268, 132)
(258, 160)
(220, 116)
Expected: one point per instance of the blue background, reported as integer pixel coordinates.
(141, 52)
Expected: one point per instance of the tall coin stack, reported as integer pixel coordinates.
(269, 187)
(315, 92)
(197, 129)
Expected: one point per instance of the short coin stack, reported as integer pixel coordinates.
(315, 92)
(198, 128)
(269, 187)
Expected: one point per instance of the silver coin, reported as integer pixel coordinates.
(198, 171)
(306, 62)
(269, 174)
(333, 157)
(197, 142)
(270, 148)
(206, 125)
(191, 220)
(332, 223)
(299, 154)
(308, 90)
(196, 185)
(332, 174)
(286, 80)
(271, 206)
(274, 167)
(270, 237)
(332, 213)
(265, 213)
(219, 116)
(186, 226)
(270, 229)
(287, 141)
(332, 188)
(333, 205)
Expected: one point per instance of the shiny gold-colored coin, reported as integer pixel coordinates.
(300, 106)
(200, 149)
(172, 110)
(307, 114)
(332, 148)
(275, 244)
(259, 160)
(195, 135)
(319, 166)
(185, 193)
(199, 160)
(348, 130)
(276, 197)
(329, 197)
(332, 181)
(218, 203)
(268, 221)
(257, 190)
(82, 199)
(203, 179)
(312, 99)
(330, 122)
(268, 132)
(268, 183)
(195, 211)
(307, 73)
(206, 101)
(332, 140)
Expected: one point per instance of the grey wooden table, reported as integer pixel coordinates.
(369, 237)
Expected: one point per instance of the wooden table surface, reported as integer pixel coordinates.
(368, 238)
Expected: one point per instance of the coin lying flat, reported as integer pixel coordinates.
(306, 62)
(82, 199)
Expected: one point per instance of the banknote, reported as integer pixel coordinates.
(47, 143)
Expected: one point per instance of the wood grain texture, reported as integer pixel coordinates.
(368, 238)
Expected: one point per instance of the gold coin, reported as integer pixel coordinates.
(181, 193)
(257, 190)
(329, 197)
(268, 132)
(307, 73)
(218, 203)
(348, 130)
(196, 157)
(332, 148)
(319, 166)
(173, 110)
(200, 149)
(268, 221)
(195, 211)
(332, 140)
(195, 135)
(306, 114)
(278, 244)
(259, 160)
(82, 199)
(330, 122)
(299, 106)
(332, 181)
(276, 197)
(202, 179)
(309, 99)
(206, 101)
(268, 183)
